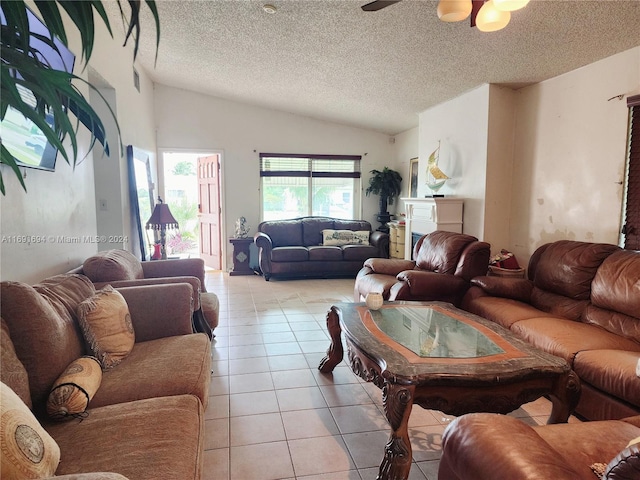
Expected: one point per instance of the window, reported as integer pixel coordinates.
(298, 185)
(631, 225)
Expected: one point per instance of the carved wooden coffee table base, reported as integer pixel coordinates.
(436, 391)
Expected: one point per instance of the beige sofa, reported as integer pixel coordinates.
(120, 268)
(146, 420)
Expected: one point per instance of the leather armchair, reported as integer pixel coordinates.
(119, 268)
(445, 263)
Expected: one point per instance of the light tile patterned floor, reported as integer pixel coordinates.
(272, 415)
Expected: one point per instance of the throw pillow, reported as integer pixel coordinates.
(105, 321)
(345, 237)
(28, 451)
(12, 372)
(74, 389)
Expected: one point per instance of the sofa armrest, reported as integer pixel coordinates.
(481, 446)
(425, 285)
(179, 267)
(264, 244)
(380, 240)
(514, 288)
(193, 281)
(89, 476)
(389, 266)
(159, 311)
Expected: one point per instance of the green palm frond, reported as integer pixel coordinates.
(386, 183)
(53, 90)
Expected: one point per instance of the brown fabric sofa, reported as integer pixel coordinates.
(484, 446)
(444, 264)
(146, 420)
(581, 301)
(120, 268)
(294, 248)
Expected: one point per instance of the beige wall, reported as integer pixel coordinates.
(569, 155)
(187, 120)
(58, 212)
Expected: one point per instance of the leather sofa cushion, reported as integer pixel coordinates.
(327, 254)
(568, 267)
(358, 253)
(146, 440)
(616, 295)
(351, 225)
(440, 251)
(284, 232)
(611, 371)
(312, 230)
(112, 265)
(559, 305)
(565, 338)
(503, 311)
(290, 254)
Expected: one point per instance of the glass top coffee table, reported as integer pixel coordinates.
(442, 358)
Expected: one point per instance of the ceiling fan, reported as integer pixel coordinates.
(487, 15)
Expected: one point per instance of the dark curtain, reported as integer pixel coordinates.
(137, 242)
(631, 228)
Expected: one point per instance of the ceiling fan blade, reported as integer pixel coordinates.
(378, 5)
(476, 6)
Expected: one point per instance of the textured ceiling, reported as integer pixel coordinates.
(376, 70)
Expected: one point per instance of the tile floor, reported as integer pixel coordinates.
(272, 415)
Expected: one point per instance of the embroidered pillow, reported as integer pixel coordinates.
(106, 324)
(74, 389)
(345, 237)
(28, 451)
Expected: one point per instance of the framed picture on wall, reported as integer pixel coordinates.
(413, 178)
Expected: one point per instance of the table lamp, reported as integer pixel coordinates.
(161, 219)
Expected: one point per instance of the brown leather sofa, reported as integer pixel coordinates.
(485, 446)
(146, 420)
(297, 248)
(120, 268)
(444, 264)
(581, 302)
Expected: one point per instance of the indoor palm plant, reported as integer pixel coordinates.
(387, 184)
(52, 89)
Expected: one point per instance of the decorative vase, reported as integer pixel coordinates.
(374, 300)
(157, 252)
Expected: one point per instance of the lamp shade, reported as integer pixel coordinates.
(161, 218)
(454, 10)
(510, 5)
(490, 19)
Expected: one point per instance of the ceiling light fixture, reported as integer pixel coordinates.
(454, 10)
(487, 15)
(269, 8)
(490, 19)
(510, 5)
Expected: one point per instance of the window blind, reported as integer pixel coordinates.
(296, 165)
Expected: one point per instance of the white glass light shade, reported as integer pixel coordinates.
(454, 10)
(510, 5)
(490, 19)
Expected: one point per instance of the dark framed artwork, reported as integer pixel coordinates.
(413, 178)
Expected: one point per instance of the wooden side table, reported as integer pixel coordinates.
(241, 256)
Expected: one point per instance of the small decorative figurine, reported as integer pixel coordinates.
(242, 229)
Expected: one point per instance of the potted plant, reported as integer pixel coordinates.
(388, 184)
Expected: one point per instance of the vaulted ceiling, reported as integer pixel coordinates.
(376, 70)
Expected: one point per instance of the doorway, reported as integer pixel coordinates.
(192, 193)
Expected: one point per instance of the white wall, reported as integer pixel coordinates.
(60, 206)
(188, 120)
(460, 125)
(406, 148)
(569, 155)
